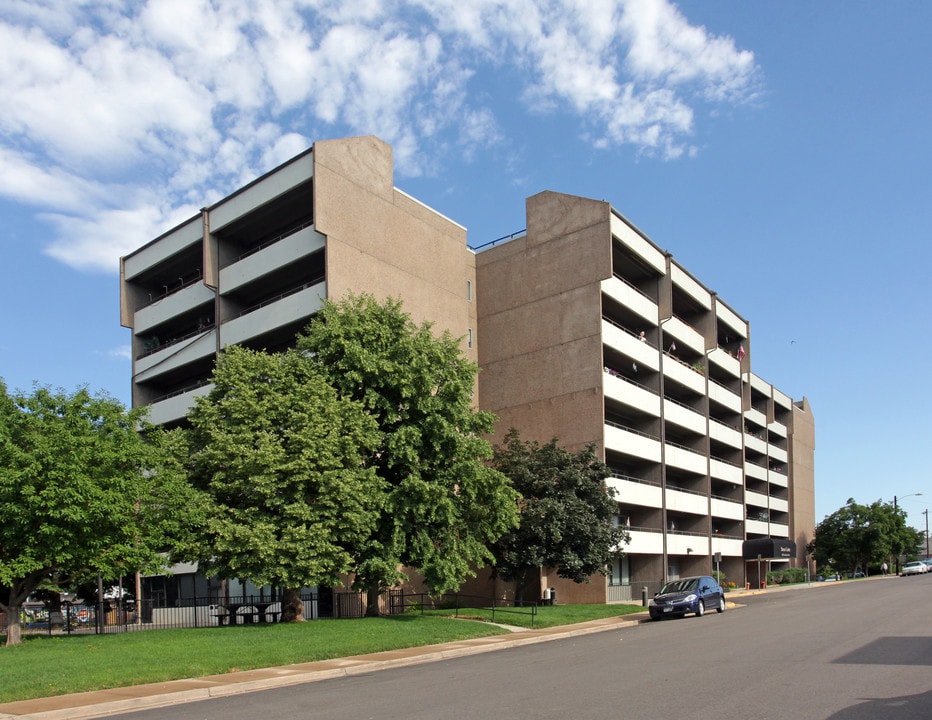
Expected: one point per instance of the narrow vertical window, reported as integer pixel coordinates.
(469, 338)
(469, 290)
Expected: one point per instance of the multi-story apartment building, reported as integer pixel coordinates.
(589, 333)
(583, 328)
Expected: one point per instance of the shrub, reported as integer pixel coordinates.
(786, 576)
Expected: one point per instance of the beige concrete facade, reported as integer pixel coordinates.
(802, 498)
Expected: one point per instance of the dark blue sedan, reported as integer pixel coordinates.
(687, 595)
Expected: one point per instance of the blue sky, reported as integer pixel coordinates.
(780, 151)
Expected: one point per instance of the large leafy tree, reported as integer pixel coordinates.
(567, 512)
(443, 505)
(82, 491)
(856, 535)
(285, 463)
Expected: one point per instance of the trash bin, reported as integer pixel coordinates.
(553, 596)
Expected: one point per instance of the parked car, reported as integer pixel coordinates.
(916, 567)
(687, 595)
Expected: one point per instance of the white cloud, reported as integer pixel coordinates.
(122, 117)
(123, 352)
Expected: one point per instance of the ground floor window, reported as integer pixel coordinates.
(619, 571)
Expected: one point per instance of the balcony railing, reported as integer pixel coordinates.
(261, 246)
(183, 282)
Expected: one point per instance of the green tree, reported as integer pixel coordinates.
(284, 461)
(567, 512)
(856, 536)
(82, 491)
(443, 505)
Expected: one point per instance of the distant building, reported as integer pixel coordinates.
(583, 328)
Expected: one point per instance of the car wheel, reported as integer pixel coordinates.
(721, 604)
(700, 609)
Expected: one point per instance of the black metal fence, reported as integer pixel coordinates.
(204, 612)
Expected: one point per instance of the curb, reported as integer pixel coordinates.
(100, 703)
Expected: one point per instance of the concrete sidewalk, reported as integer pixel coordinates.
(140, 697)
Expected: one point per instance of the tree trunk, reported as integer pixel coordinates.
(14, 632)
(292, 607)
(372, 601)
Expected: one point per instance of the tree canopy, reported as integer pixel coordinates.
(442, 504)
(284, 462)
(82, 491)
(855, 536)
(566, 512)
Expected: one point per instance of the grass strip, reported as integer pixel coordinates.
(44, 666)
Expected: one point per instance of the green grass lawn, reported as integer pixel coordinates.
(43, 666)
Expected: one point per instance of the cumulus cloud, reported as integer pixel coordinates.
(120, 118)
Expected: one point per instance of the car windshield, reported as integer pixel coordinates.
(680, 586)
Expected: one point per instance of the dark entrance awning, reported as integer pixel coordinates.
(768, 548)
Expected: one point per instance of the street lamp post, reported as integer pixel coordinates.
(897, 560)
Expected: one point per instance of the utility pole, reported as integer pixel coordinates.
(894, 513)
(926, 513)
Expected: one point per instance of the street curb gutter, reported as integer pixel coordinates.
(82, 706)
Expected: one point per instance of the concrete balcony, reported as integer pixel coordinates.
(631, 492)
(755, 471)
(258, 193)
(176, 355)
(684, 375)
(777, 479)
(724, 471)
(680, 501)
(729, 509)
(728, 547)
(724, 397)
(756, 499)
(756, 527)
(630, 442)
(174, 408)
(645, 543)
(678, 544)
(724, 434)
(779, 505)
(777, 428)
(286, 310)
(637, 244)
(683, 416)
(171, 306)
(290, 248)
(755, 443)
(632, 299)
(778, 454)
(725, 361)
(630, 394)
(642, 353)
(756, 416)
(684, 459)
(684, 334)
(172, 243)
(779, 530)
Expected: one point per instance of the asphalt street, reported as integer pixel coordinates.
(846, 651)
